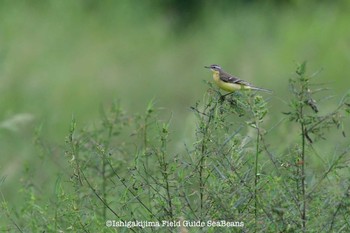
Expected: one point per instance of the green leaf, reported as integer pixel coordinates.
(301, 69)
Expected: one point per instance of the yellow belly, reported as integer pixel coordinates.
(229, 87)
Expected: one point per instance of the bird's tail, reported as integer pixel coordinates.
(261, 89)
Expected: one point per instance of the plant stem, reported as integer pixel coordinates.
(256, 178)
(303, 214)
(203, 150)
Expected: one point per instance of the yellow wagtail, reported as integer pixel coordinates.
(230, 83)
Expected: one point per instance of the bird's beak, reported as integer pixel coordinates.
(208, 67)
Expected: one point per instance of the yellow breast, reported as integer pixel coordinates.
(229, 87)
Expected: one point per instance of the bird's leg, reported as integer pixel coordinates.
(230, 93)
(222, 97)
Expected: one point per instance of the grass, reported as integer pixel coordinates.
(60, 59)
(230, 175)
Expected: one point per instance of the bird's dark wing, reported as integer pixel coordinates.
(227, 78)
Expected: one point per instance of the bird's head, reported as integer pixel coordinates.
(214, 67)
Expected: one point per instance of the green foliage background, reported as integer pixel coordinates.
(64, 58)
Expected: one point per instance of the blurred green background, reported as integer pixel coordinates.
(61, 58)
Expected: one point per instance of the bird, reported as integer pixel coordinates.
(230, 83)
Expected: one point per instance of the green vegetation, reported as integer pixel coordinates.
(122, 169)
(277, 163)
